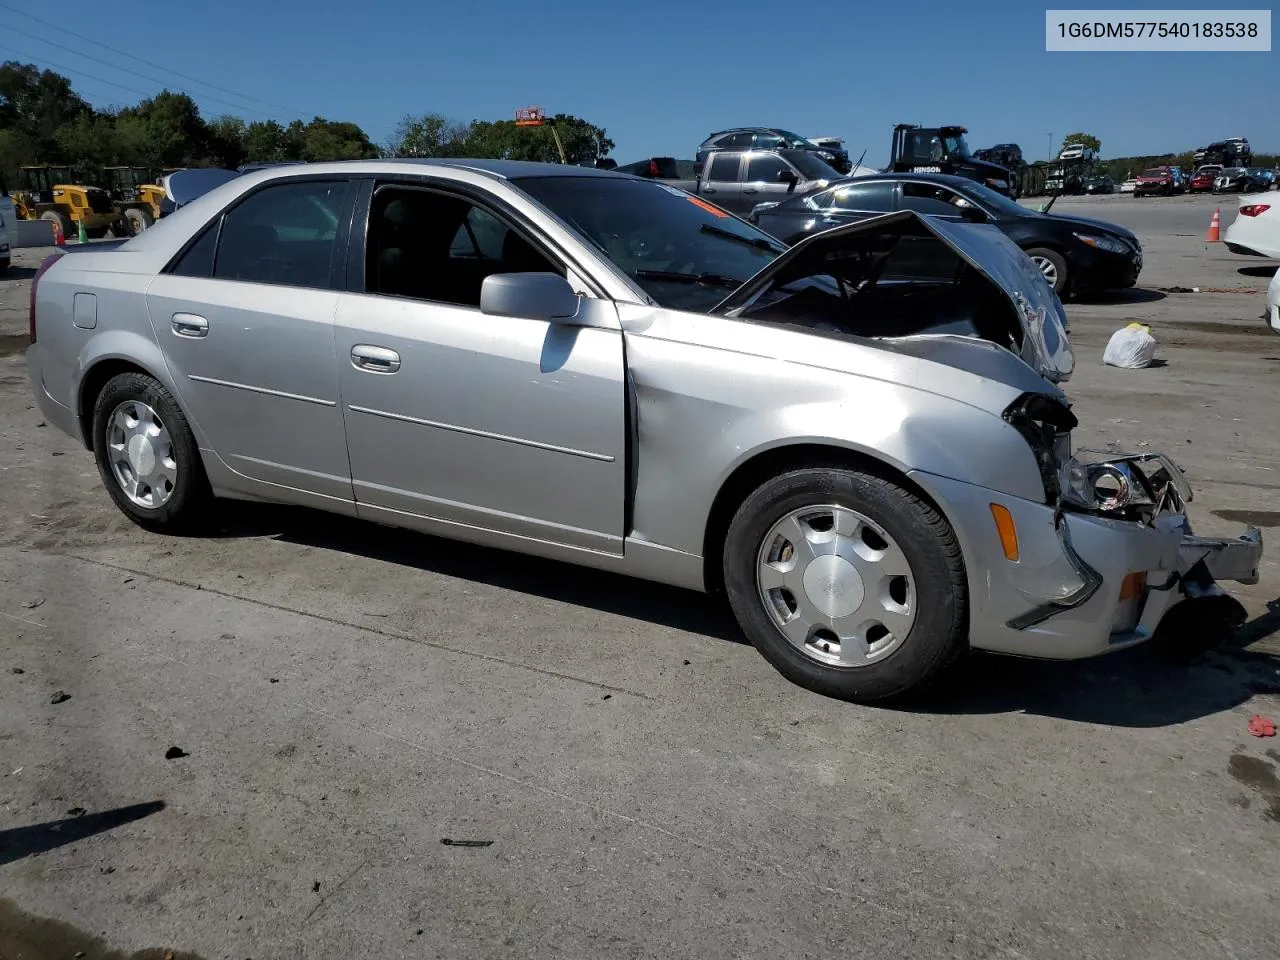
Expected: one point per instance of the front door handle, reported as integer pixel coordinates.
(373, 359)
(190, 325)
(708, 189)
(750, 190)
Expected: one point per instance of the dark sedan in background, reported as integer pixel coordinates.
(1075, 254)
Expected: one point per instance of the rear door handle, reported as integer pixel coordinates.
(373, 359)
(190, 325)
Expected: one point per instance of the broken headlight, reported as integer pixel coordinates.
(1045, 422)
(1131, 487)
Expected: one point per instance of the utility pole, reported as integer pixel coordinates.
(1050, 147)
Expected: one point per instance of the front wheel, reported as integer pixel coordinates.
(147, 456)
(850, 585)
(1053, 265)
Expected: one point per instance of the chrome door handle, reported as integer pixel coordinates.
(374, 359)
(190, 325)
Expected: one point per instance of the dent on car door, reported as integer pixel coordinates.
(245, 321)
(503, 423)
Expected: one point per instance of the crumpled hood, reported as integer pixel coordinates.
(1044, 343)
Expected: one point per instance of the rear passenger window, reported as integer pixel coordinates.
(198, 260)
(285, 234)
(724, 167)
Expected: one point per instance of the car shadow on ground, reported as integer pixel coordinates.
(1266, 270)
(18, 843)
(1132, 295)
(565, 582)
(1143, 687)
(18, 273)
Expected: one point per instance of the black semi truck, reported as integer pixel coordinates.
(919, 149)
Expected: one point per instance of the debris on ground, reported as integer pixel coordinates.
(1178, 289)
(315, 887)
(32, 604)
(1261, 726)
(18, 670)
(1132, 347)
(60, 696)
(465, 843)
(175, 753)
(77, 812)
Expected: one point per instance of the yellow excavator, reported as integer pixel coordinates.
(48, 193)
(137, 193)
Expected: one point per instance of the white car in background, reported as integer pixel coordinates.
(1256, 229)
(1129, 186)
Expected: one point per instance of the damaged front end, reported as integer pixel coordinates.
(1131, 510)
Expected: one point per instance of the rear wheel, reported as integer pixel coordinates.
(61, 219)
(850, 585)
(147, 455)
(137, 220)
(1053, 265)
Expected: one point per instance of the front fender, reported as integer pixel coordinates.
(704, 413)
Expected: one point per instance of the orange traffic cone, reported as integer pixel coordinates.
(58, 239)
(1215, 228)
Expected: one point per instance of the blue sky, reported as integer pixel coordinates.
(659, 75)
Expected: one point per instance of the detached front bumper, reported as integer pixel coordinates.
(1083, 583)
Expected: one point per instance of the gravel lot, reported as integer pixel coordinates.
(346, 697)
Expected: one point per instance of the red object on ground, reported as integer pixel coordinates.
(1261, 726)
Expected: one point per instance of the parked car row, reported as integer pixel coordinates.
(1075, 255)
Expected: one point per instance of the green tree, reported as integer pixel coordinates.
(1088, 139)
(171, 130)
(228, 137)
(334, 140)
(502, 139)
(428, 135)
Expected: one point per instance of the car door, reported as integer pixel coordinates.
(760, 180)
(722, 180)
(493, 422)
(852, 202)
(244, 319)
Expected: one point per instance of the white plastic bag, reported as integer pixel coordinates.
(1132, 347)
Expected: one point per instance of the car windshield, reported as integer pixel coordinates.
(1233, 172)
(793, 138)
(812, 166)
(1155, 172)
(683, 252)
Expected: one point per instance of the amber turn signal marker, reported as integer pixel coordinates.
(1133, 585)
(1008, 532)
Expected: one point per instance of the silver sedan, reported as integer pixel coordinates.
(862, 440)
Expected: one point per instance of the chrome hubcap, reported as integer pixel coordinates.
(1047, 268)
(836, 585)
(141, 454)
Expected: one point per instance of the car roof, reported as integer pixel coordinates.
(499, 169)
(944, 179)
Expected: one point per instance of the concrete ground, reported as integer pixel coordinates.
(340, 701)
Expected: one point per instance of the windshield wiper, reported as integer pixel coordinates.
(706, 279)
(760, 243)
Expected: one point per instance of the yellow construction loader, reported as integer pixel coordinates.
(137, 193)
(48, 193)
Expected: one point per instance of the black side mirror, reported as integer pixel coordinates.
(973, 215)
(789, 178)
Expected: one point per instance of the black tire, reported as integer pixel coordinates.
(61, 219)
(188, 506)
(938, 634)
(137, 220)
(1062, 283)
